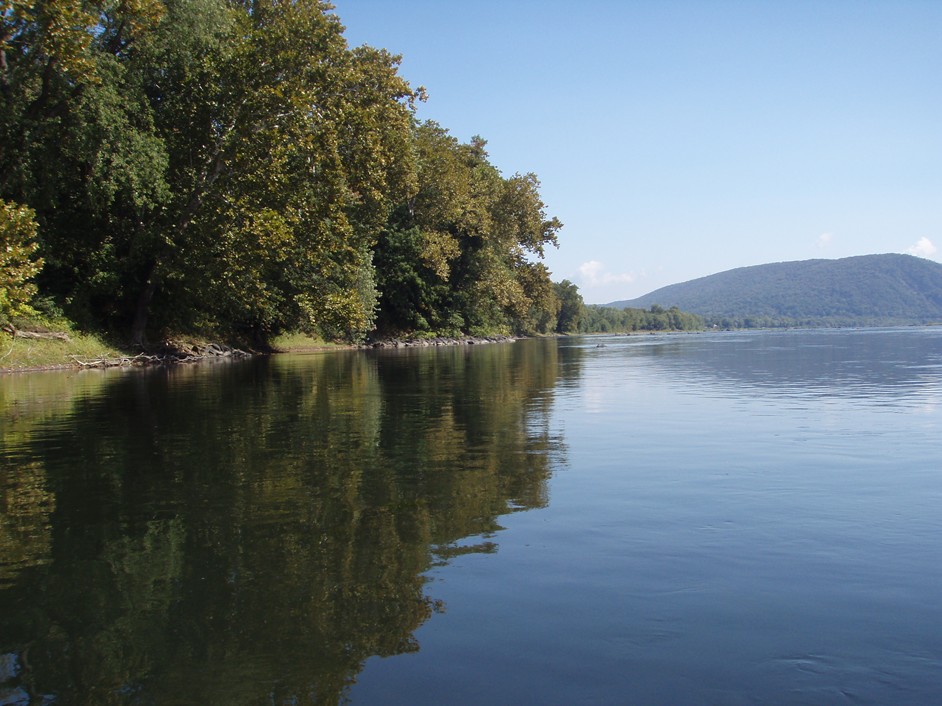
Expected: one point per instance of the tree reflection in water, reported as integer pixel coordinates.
(253, 532)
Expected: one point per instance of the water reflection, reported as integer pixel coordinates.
(253, 532)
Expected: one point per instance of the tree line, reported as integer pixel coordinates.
(234, 167)
(576, 317)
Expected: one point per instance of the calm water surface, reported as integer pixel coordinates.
(720, 518)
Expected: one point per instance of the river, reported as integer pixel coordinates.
(715, 518)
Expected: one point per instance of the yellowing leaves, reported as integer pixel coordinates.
(438, 250)
(236, 166)
(18, 264)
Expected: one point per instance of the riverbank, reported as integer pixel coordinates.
(24, 351)
(51, 348)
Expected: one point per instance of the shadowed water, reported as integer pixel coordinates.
(717, 518)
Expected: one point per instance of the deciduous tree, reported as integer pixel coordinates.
(18, 263)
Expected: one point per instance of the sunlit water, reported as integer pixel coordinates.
(717, 518)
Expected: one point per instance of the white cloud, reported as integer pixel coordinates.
(825, 239)
(594, 274)
(923, 248)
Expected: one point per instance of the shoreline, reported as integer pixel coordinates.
(188, 354)
(437, 341)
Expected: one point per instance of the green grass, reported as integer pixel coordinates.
(48, 353)
(33, 353)
(287, 342)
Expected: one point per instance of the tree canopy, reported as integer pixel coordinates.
(458, 254)
(236, 168)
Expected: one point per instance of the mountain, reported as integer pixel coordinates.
(868, 290)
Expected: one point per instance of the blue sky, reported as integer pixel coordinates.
(678, 139)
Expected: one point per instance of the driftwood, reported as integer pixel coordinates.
(168, 354)
(122, 362)
(17, 333)
(168, 357)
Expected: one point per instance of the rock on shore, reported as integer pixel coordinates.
(437, 341)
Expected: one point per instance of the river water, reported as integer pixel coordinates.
(717, 518)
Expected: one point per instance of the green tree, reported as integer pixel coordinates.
(571, 307)
(605, 319)
(81, 150)
(18, 264)
(307, 146)
(236, 168)
(473, 240)
(202, 164)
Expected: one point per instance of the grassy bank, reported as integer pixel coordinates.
(69, 347)
(301, 342)
(18, 353)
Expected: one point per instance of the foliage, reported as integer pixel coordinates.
(574, 316)
(18, 264)
(458, 254)
(605, 319)
(75, 129)
(219, 167)
(571, 307)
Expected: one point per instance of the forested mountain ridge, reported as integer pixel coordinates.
(888, 289)
(235, 169)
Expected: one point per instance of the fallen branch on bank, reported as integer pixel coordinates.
(169, 357)
(124, 361)
(43, 335)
